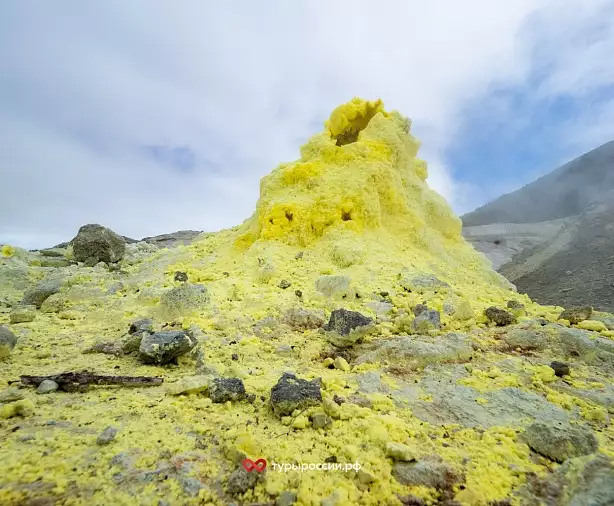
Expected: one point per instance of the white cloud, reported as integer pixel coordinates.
(243, 84)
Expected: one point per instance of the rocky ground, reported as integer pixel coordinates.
(345, 333)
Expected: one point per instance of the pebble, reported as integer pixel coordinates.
(106, 436)
(47, 386)
(560, 368)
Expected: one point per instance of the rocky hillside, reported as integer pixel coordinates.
(554, 238)
(343, 346)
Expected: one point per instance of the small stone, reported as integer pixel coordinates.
(347, 327)
(162, 347)
(8, 340)
(428, 319)
(299, 255)
(286, 498)
(22, 314)
(560, 368)
(419, 308)
(299, 318)
(240, 480)
(47, 386)
(180, 276)
(227, 389)
(341, 364)
(560, 441)
(106, 436)
(328, 362)
(292, 393)
(283, 284)
(42, 291)
(321, 421)
(142, 325)
(333, 286)
(53, 304)
(183, 300)
(576, 314)
(499, 316)
(429, 472)
(421, 282)
(400, 451)
(95, 243)
(284, 349)
(235, 356)
(298, 293)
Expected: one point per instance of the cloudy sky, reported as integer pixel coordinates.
(154, 116)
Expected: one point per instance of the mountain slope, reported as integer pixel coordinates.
(567, 191)
(554, 238)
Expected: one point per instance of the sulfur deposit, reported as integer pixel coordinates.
(345, 333)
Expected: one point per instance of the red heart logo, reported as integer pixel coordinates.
(250, 465)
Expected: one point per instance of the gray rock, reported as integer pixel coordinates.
(53, 304)
(22, 314)
(240, 480)
(591, 483)
(347, 327)
(8, 340)
(286, 498)
(499, 316)
(191, 486)
(413, 352)
(142, 325)
(292, 393)
(421, 282)
(560, 441)
(526, 339)
(576, 314)
(299, 318)
(95, 243)
(419, 308)
(227, 389)
(38, 294)
(183, 300)
(181, 237)
(333, 286)
(284, 350)
(162, 347)
(106, 436)
(584, 345)
(429, 471)
(455, 404)
(10, 394)
(283, 284)
(560, 368)
(426, 320)
(47, 386)
(380, 308)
